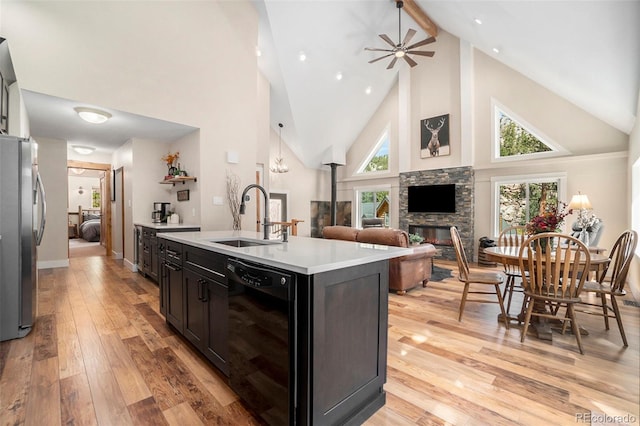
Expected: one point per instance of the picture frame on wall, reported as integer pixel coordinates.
(434, 136)
(183, 195)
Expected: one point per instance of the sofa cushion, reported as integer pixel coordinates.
(383, 236)
(339, 232)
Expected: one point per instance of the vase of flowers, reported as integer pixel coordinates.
(548, 221)
(171, 159)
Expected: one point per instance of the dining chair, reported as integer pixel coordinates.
(612, 280)
(469, 277)
(512, 236)
(553, 275)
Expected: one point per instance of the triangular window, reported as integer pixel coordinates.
(378, 158)
(515, 137)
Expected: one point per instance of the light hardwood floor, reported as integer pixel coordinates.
(101, 354)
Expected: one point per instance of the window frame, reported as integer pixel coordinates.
(496, 107)
(383, 137)
(496, 181)
(357, 211)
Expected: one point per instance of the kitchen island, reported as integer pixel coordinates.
(299, 327)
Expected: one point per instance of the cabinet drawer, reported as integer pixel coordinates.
(210, 265)
(148, 232)
(173, 252)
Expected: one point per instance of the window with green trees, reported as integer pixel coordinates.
(516, 138)
(520, 200)
(95, 197)
(378, 159)
(371, 203)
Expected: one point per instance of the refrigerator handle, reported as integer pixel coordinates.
(43, 204)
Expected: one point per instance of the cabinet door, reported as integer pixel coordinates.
(194, 318)
(154, 266)
(146, 255)
(217, 348)
(175, 296)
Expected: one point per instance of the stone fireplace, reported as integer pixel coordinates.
(434, 227)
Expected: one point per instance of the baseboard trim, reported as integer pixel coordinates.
(132, 266)
(46, 264)
(116, 254)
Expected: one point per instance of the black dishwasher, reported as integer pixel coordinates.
(262, 339)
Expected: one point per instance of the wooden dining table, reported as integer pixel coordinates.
(509, 255)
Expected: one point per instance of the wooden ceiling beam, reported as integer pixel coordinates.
(421, 18)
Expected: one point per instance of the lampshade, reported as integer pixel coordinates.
(92, 115)
(580, 201)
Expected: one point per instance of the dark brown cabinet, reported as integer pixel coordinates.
(149, 257)
(194, 299)
(171, 285)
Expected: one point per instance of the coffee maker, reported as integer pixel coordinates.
(160, 212)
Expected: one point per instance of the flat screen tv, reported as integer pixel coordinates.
(432, 199)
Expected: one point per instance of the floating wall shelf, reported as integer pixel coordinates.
(179, 179)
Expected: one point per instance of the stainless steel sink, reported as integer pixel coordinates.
(239, 242)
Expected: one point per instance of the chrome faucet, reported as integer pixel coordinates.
(243, 206)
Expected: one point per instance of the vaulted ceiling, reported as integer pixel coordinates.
(586, 51)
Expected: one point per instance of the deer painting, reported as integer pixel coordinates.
(434, 144)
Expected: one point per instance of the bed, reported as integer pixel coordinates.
(90, 223)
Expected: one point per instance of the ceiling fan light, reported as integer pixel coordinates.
(399, 53)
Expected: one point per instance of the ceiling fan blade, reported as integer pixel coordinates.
(392, 63)
(410, 61)
(381, 57)
(408, 37)
(377, 50)
(387, 39)
(422, 43)
(421, 53)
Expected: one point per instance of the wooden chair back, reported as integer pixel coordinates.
(463, 264)
(552, 270)
(513, 236)
(621, 256)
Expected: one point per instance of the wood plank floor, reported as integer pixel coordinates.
(101, 354)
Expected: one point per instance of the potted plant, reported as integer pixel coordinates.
(415, 239)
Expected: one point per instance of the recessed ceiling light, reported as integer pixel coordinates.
(368, 90)
(339, 76)
(302, 56)
(92, 115)
(478, 21)
(84, 150)
(496, 50)
(258, 51)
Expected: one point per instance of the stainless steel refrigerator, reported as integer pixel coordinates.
(22, 220)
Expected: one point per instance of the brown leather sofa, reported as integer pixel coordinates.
(405, 272)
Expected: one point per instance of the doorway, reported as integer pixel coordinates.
(89, 209)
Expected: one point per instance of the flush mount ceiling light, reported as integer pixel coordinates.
(84, 150)
(92, 115)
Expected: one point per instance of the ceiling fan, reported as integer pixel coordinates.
(401, 50)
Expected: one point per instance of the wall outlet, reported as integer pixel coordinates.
(218, 201)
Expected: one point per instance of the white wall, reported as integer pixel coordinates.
(52, 165)
(189, 149)
(123, 158)
(633, 195)
(301, 185)
(123, 55)
(75, 198)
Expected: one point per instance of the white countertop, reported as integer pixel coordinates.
(301, 254)
(161, 226)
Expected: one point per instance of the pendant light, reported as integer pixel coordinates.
(279, 166)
